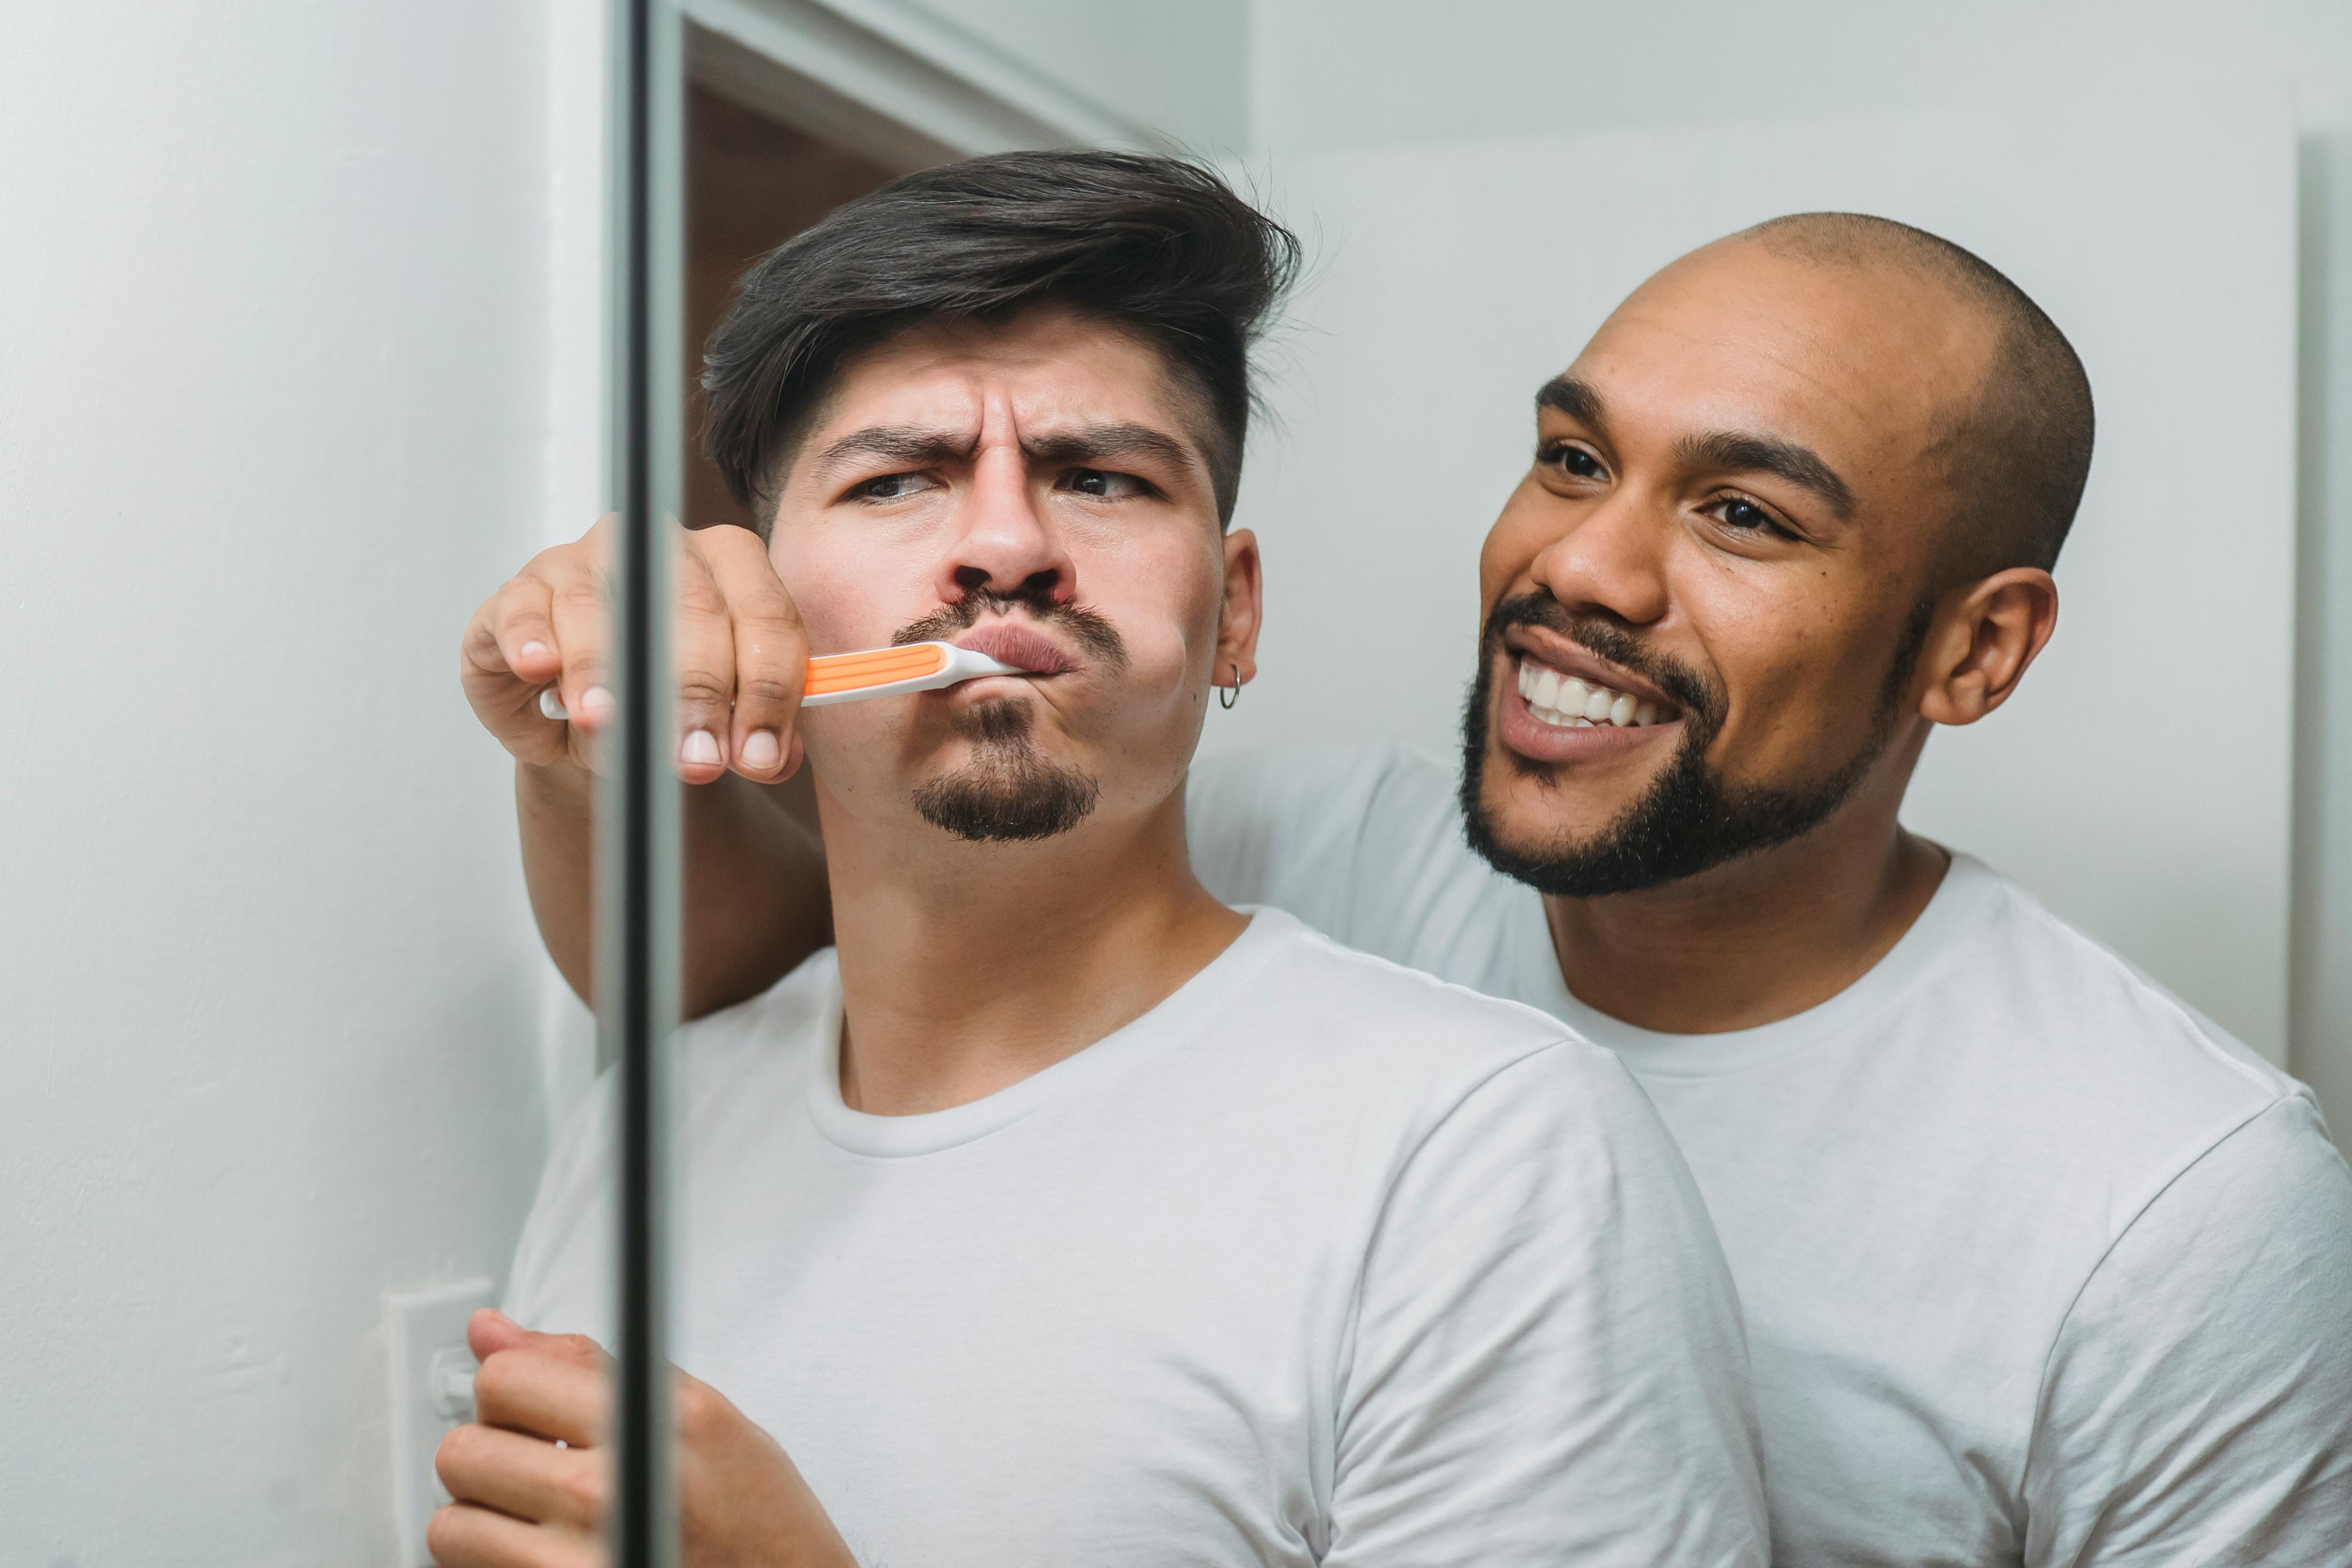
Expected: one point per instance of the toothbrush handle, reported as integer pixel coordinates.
(846, 677)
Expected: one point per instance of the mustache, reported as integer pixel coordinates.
(1600, 635)
(1088, 629)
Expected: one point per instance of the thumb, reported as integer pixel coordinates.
(490, 1330)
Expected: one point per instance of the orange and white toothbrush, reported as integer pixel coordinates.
(876, 673)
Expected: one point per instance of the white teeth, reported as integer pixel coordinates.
(1570, 703)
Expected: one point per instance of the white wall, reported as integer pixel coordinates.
(1329, 74)
(1182, 69)
(275, 299)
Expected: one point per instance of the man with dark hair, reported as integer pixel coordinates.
(1062, 1214)
(2039, 1265)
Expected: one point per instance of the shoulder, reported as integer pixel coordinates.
(2201, 1389)
(2102, 1080)
(782, 1015)
(1359, 1019)
(2262, 1216)
(737, 1055)
(740, 1071)
(2087, 1014)
(1376, 994)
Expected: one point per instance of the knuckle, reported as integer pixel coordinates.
(699, 596)
(457, 1454)
(761, 689)
(556, 561)
(499, 1380)
(581, 1488)
(769, 630)
(441, 1531)
(700, 1412)
(581, 596)
(704, 691)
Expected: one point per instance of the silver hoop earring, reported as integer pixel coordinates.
(1228, 696)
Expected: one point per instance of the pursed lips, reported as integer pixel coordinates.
(1011, 642)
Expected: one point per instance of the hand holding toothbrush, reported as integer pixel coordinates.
(741, 656)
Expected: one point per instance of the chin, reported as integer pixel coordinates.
(1539, 808)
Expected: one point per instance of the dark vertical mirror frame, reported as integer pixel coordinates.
(637, 860)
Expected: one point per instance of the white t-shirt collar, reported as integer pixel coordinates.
(1968, 886)
(1167, 1025)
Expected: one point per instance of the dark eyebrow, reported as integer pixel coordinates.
(1577, 400)
(1092, 442)
(915, 445)
(1766, 455)
(919, 446)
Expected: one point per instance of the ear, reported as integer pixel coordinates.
(1983, 642)
(1244, 610)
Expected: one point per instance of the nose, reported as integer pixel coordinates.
(1008, 546)
(1610, 561)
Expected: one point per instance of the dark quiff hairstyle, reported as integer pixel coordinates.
(2017, 453)
(1159, 246)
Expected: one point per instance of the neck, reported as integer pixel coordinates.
(1760, 938)
(966, 967)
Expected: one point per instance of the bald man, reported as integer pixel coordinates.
(2040, 1266)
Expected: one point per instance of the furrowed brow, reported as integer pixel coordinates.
(1577, 400)
(1094, 443)
(917, 447)
(1765, 455)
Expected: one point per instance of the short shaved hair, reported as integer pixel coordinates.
(2017, 453)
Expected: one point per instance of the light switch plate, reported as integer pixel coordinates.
(426, 1330)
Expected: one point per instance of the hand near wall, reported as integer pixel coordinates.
(741, 656)
(532, 1478)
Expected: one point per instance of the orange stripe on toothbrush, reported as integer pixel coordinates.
(855, 671)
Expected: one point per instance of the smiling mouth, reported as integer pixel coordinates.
(1571, 701)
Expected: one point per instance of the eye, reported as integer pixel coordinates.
(1741, 515)
(1576, 462)
(1104, 484)
(890, 487)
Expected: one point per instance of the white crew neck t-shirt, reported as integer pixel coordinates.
(1319, 1262)
(2039, 1265)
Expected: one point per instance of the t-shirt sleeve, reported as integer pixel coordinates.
(2198, 1404)
(1548, 1365)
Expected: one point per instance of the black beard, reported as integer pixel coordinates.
(1689, 819)
(1009, 792)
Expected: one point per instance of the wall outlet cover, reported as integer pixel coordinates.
(426, 1334)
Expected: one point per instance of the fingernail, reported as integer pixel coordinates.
(534, 650)
(700, 748)
(595, 704)
(762, 751)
